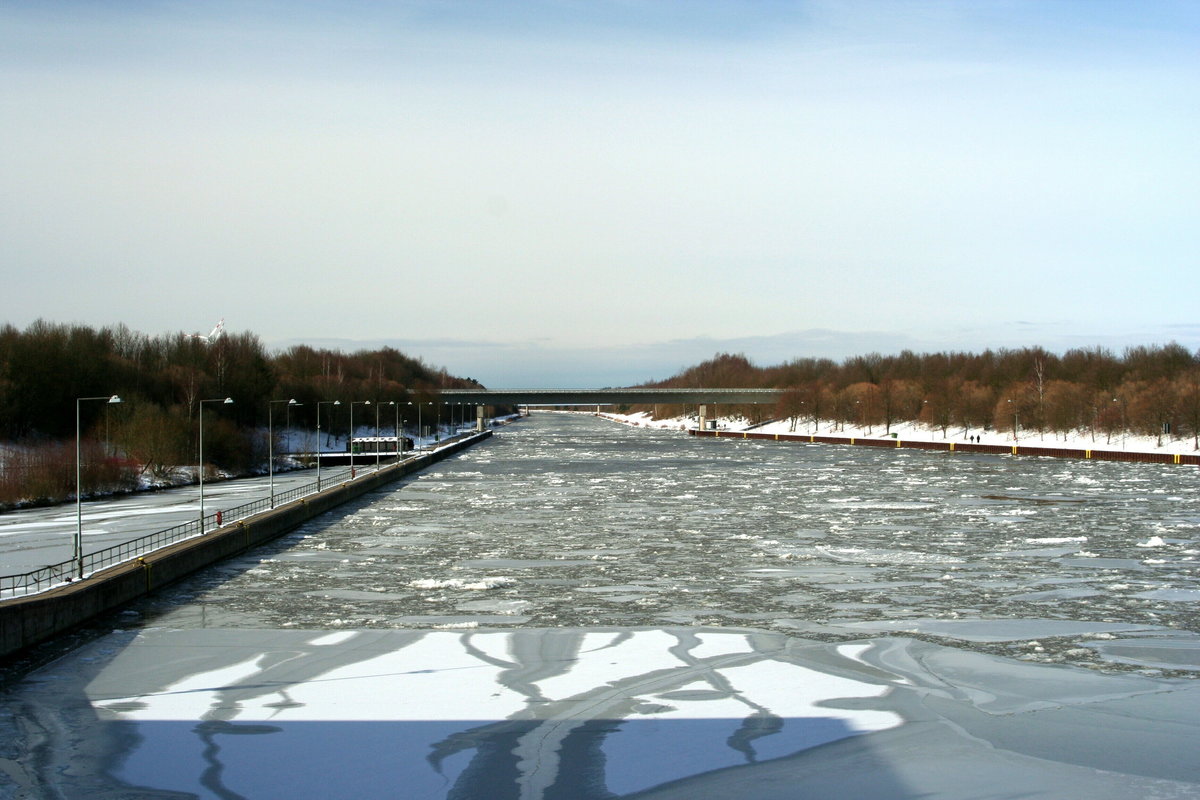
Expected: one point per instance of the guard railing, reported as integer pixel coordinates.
(52, 575)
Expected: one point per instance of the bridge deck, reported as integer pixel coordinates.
(607, 397)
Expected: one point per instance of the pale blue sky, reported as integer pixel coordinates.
(604, 192)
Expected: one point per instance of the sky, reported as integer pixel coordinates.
(569, 193)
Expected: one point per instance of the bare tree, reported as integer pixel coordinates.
(1187, 390)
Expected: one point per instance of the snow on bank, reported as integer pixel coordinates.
(919, 432)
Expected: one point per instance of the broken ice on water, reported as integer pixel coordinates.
(655, 614)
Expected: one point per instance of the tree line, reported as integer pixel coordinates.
(1150, 390)
(161, 381)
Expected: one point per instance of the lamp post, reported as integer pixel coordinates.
(420, 430)
(1124, 424)
(224, 401)
(1016, 420)
(377, 405)
(79, 479)
(271, 441)
(319, 404)
(377, 444)
(354, 403)
(399, 434)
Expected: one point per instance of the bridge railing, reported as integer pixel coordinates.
(608, 397)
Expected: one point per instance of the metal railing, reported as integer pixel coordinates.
(52, 575)
(36, 581)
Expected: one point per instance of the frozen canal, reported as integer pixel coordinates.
(579, 609)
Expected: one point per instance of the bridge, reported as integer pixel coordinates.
(608, 397)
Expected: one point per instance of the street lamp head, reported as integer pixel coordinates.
(227, 401)
(114, 399)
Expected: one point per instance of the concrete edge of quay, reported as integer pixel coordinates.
(960, 447)
(27, 621)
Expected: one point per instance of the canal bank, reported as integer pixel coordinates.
(960, 447)
(26, 621)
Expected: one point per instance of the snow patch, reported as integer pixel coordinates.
(1057, 540)
(455, 583)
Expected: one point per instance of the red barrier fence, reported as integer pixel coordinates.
(962, 447)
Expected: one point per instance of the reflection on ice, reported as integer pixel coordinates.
(581, 713)
(1181, 653)
(991, 630)
(590, 714)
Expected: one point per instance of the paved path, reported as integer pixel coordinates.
(37, 537)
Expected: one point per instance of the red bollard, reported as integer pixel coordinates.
(352, 473)
(218, 519)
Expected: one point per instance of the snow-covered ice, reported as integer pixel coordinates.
(678, 712)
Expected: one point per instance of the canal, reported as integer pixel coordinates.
(1002, 587)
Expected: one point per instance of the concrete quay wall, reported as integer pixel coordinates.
(962, 447)
(26, 621)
